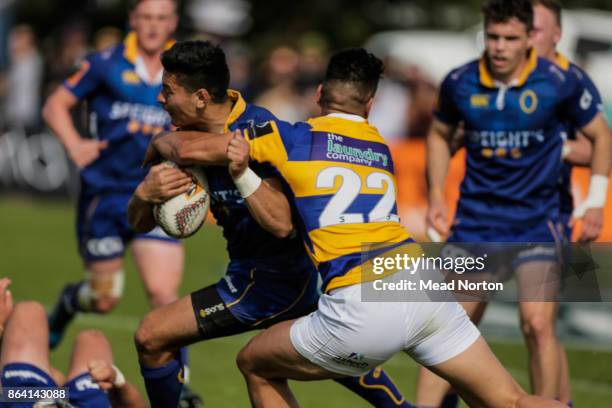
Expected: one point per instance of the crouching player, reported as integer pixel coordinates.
(343, 202)
(93, 380)
(269, 277)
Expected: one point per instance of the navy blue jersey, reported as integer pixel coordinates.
(567, 201)
(512, 138)
(123, 109)
(246, 239)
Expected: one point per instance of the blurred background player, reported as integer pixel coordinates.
(495, 97)
(269, 277)
(92, 382)
(120, 85)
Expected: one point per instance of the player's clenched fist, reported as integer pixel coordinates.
(238, 155)
(161, 183)
(103, 374)
(437, 217)
(85, 151)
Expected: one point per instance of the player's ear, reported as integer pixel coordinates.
(202, 98)
(319, 93)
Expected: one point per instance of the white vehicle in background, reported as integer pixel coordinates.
(587, 40)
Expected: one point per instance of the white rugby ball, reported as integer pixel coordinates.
(183, 215)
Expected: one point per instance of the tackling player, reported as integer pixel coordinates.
(513, 107)
(93, 380)
(339, 175)
(269, 278)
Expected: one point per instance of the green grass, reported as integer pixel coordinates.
(38, 252)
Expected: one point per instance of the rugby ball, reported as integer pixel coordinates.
(183, 215)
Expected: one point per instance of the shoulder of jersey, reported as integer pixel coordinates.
(461, 71)
(552, 72)
(106, 55)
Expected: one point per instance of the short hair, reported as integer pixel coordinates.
(501, 11)
(553, 6)
(356, 68)
(199, 64)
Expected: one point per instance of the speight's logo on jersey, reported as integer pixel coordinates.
(332, 147)
(502, 143)
(149, 115)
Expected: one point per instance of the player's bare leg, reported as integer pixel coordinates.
(26, 337)
(539, 281)
(268, 360)
(467, 371)
(432, 389)
(565, 389)
(159, 340)
(89, 345)
(160, 265)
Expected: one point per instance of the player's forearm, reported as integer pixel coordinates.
(578, 152)
(598, 132)
(271, 210)
(438, 158)
(140, 214)
(126, 396)
(56, 114)
(192, 147)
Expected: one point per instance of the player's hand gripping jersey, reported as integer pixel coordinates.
(512, 141)
(123, 109)
(340, 173)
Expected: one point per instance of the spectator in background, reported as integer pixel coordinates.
(390, 109)
(281, 96)
(239, 63)
(24, 79)
(314, 53)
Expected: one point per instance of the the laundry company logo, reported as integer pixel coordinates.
(353, 360)
(340, 148)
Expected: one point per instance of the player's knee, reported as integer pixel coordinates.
(91, 337)
(538, 328)
(102, 292)
(29, 311)
(146, 342)
(246, 362)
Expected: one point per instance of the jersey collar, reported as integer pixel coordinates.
(347, 116)
(486, 79)
(561, 61)
(237, 110)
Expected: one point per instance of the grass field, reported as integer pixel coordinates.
(38, 252)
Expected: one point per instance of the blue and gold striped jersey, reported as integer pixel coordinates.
(339, 174)
(123, 110)
(512, 138)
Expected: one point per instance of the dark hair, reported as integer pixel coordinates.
(357, 68)
(501, 11)
(552, 5)
(199, 64)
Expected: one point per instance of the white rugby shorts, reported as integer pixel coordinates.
(351, 337)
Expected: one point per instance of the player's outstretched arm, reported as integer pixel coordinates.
(265, 198)
(56, 113)
(161, 183)
(120, 392)
(591, 209)
(190, 147)
(438, 158)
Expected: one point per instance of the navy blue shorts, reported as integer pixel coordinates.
(513, 244)
(102, 227)
(82, 391)
(254, 296)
